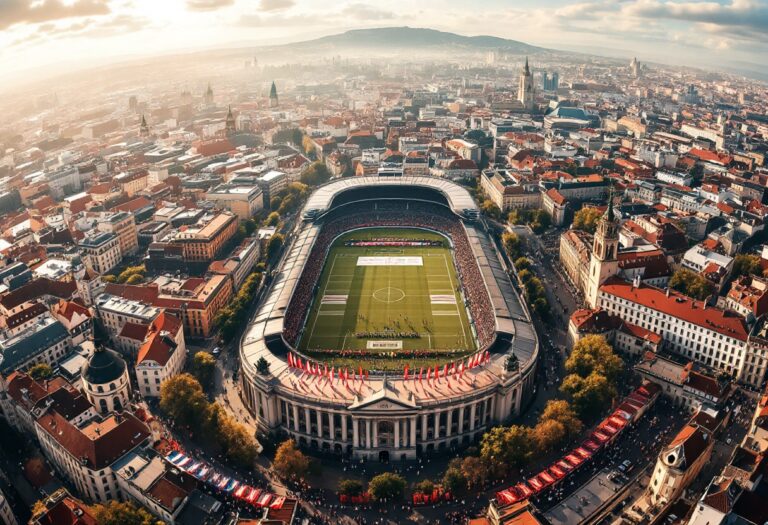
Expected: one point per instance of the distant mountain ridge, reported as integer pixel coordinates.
(400, 37)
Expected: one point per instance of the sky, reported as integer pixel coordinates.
(72, 34)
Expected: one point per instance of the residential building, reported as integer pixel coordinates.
(101, 252)
(161, 355)
(123, 226)
(243, 201)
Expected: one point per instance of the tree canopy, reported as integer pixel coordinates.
(387, 486)
(746, 264)
(40, 371)
(593, 354)
(691, 284)
(182, 398)
(290, 462)
(203, 366)
(503, 448)
(123, 513)
(350, 487)
(586, 219)
(315, 174)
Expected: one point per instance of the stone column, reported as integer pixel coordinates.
(295, 417)
(307, 422)
(461, 419)
(343, 428)
(331, 426)
(319, 424)
(437, 425)
(424, 428)
(375, 434)
(448, 423)
(412, 444)
(472, 409)
(367, 433)
(355, 434)
(397, 433)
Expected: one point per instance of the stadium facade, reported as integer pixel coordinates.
(378, 415)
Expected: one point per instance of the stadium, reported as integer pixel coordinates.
(391, 328)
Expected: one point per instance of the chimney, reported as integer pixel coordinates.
(667, 291)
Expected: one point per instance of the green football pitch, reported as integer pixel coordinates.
(383, 306)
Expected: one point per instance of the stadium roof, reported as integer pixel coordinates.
(457, 196)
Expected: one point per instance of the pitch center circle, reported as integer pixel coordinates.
(389, 295)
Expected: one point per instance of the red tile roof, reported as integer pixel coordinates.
(680, 306)
(159, 346)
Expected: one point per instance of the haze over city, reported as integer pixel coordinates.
(282, 262)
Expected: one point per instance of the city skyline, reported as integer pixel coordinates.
(60, 35)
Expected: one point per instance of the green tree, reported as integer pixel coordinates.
(475, 471)
(522, 263)
(691, 284)
(513, 244)
(745, 264)
(40, 371)
(182, 398)
(593, 354)
(525, 276)
(561, 411)
(315, 174)
(273, 219)
(540, 221)
(540, 305)
(290, 462)
(489, 208)
(109, 278)
(308, 145)
(117, 513)
(262, 366)
(548, 435)
(424, 486)
(590, 395)
(519, 217)
(503, 448)
(387, 486)
(274, 245)
(203, 366)
(237, 443)
(131, 271)
(134, 279)
(586, 219)
(350, 487)
(454, 480)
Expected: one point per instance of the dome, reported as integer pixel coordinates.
(103, 366)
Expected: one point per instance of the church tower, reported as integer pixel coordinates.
(273, 95)
(604, 262)
(143, 127)
(525, 89)
(230, 126)
(209, 96)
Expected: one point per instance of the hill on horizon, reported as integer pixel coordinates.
(400, 37)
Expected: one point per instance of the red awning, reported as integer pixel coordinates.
(557, 472)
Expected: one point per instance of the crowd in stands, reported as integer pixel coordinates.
(419, 215)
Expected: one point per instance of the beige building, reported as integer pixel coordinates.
(508, 194)
(575, 253)
(101, 252)
(243, 201)
(204, 241)
(679, 463)
(161, 355)
(123, 226)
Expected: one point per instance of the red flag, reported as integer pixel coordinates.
(290, 359)
(461, 369)
(421, 371)
(299, 364)
(330, 376)
(445, 370)
(429, 371)
(406, 372)
(437, 372)
(453, 368)
(366, 374)
(360, 372)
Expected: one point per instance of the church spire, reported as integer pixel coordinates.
(230, 126)
(143, 127)
(273, 95)
(527, 69)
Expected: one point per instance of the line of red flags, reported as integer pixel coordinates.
(448, 369)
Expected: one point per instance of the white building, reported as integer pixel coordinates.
(161, 355)
(105, 381)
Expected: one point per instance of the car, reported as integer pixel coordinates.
(728, 441)
(216, 351)
(628, 466)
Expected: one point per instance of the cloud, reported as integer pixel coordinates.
(14, 12)
(88, 27)
(276, 5)
(208, 5)
(366, 12)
